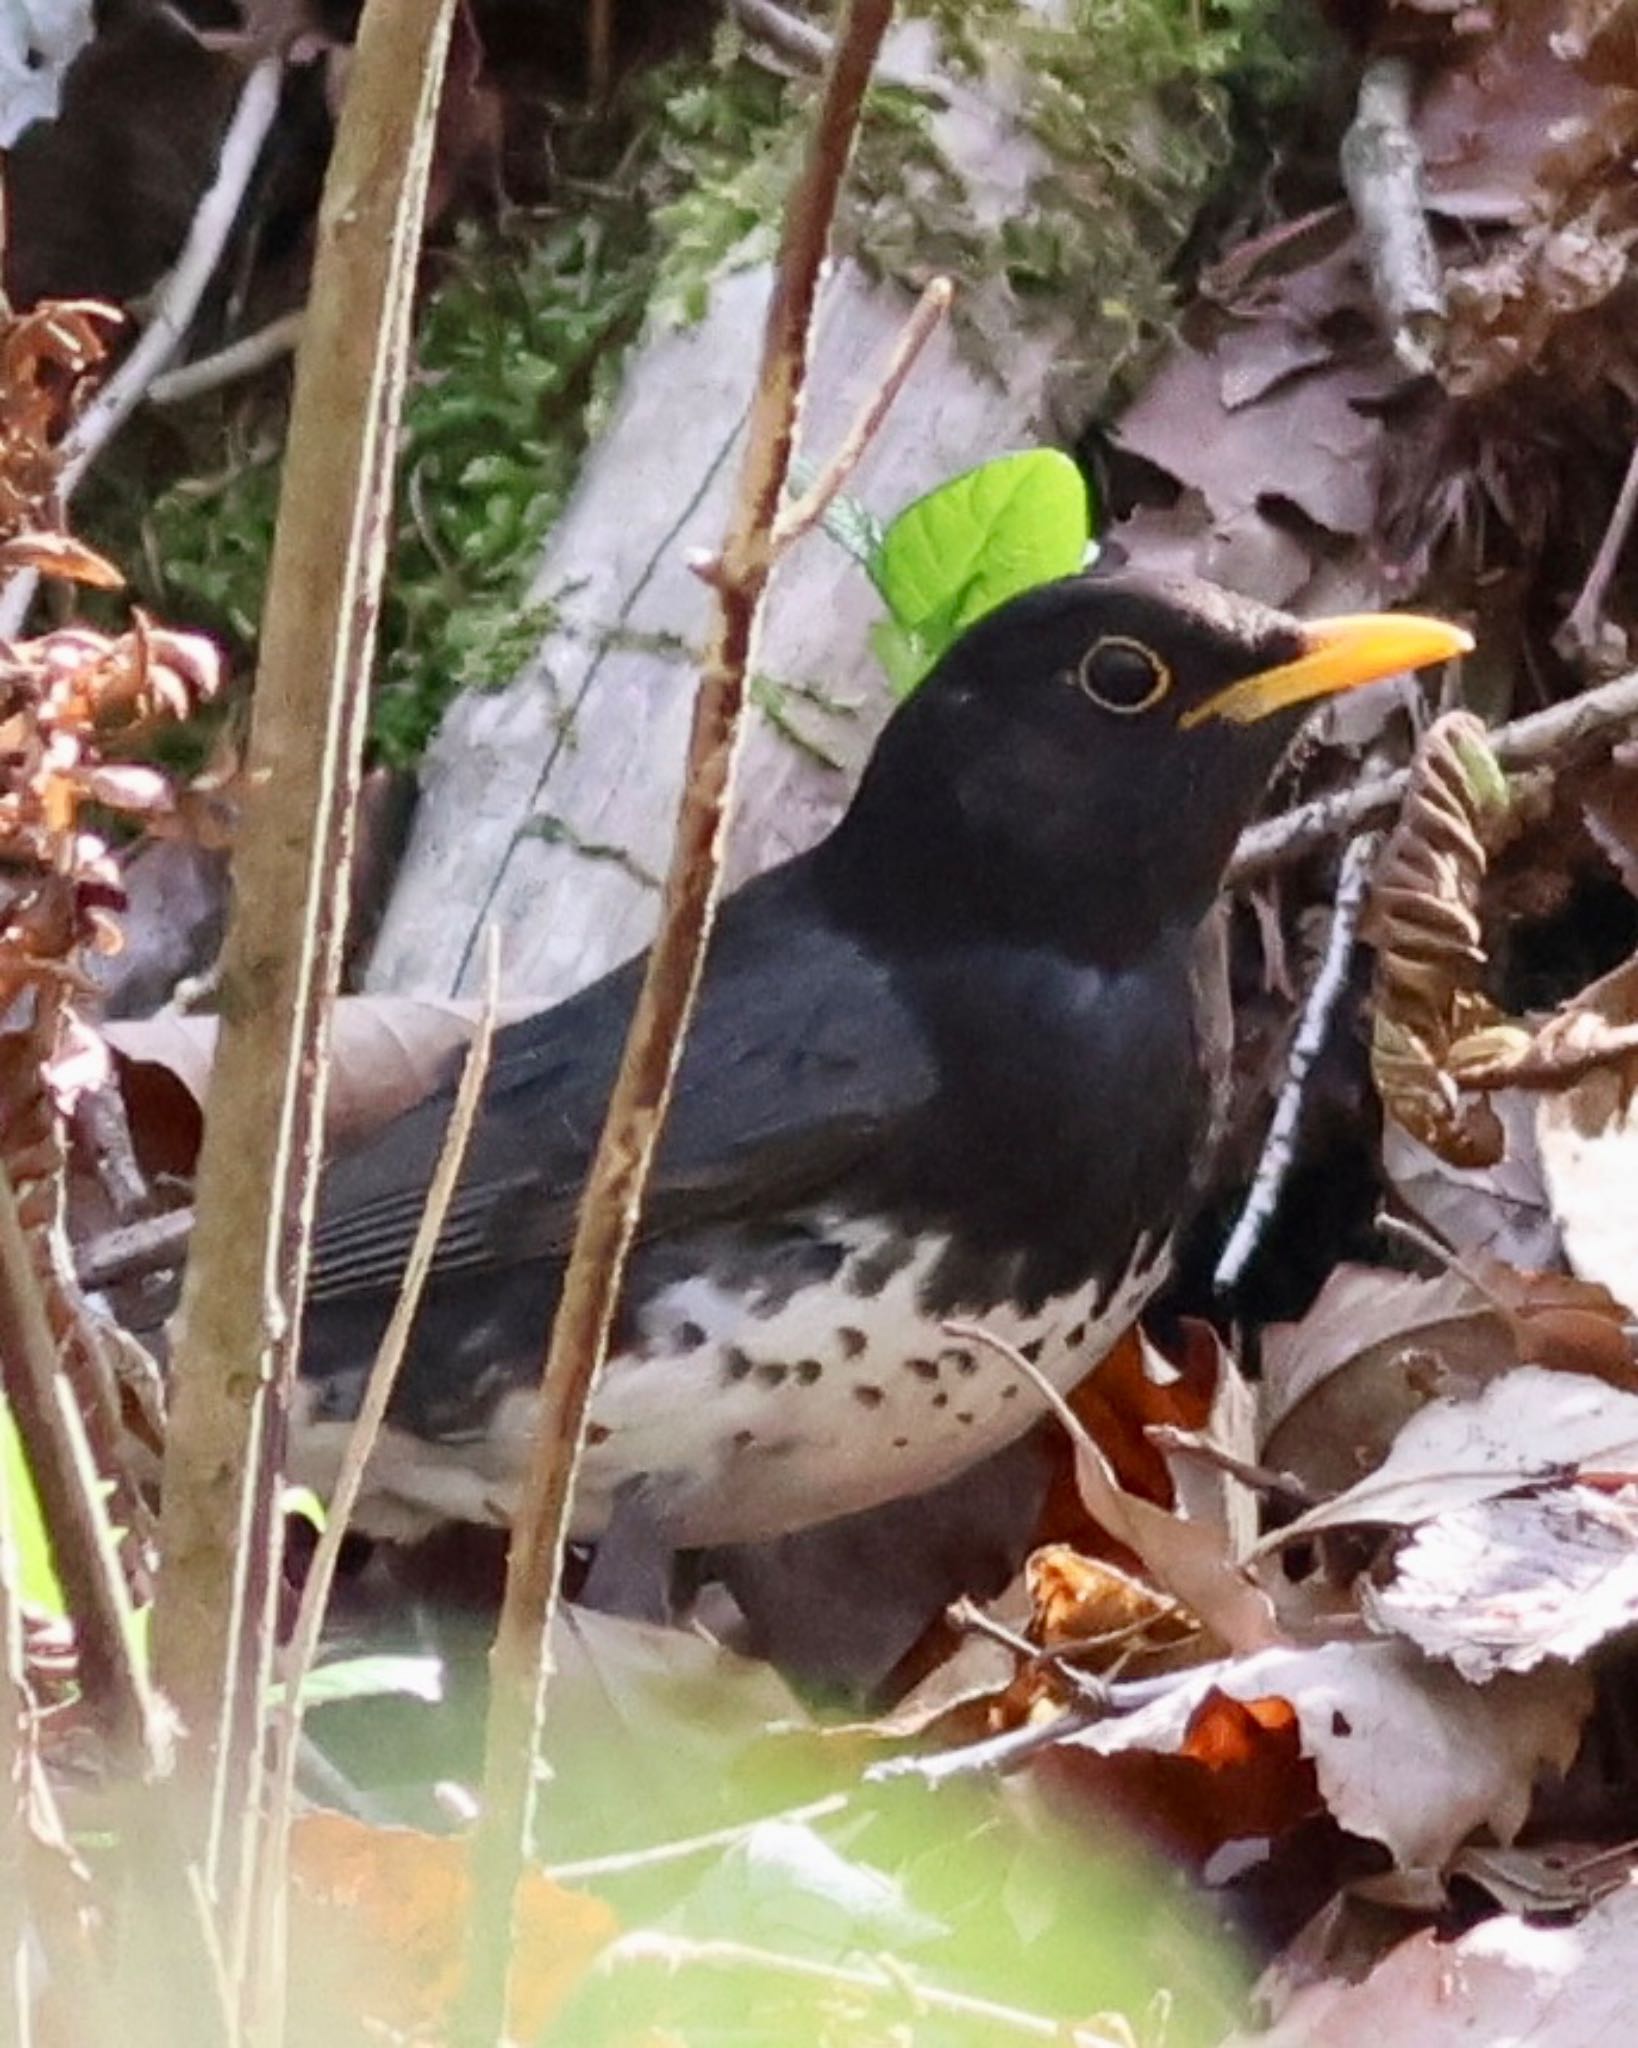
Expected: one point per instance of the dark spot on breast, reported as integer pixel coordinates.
(963, 1361)
(965, 1415)
(853, 1341)
(597, 1433)
(808, 1370)
(941, 1400)
(923, 1368)
(871, 1270)
(771, 1375)
(688, 1336)
(743, 1439)
(901, 1443)
(1033, 1349)
(1010, 1391)
(1076, 1337)
(868, 1396)
(736, 1365)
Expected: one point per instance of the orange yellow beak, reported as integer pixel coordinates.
(1338, 654)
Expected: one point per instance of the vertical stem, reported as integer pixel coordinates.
(241, 1303)
(520, 1663)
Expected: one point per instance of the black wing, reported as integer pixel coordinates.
(803, 1058)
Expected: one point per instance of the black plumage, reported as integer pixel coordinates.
(946, 1063)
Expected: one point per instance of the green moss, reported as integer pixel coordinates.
(1141, 106)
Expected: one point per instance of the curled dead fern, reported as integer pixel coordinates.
(1431, 1016)
(72, 702)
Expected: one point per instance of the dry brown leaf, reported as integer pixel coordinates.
(1082, 1601)
(1588, 1139)
(1504, 1584)
(1507, 1980)
(1403, 1752)
(1525, 1428)
(1375, 1347)
(1195, 1561)
(380, 1914)
(1228, 1769)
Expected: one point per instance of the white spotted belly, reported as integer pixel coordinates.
(754, 1417)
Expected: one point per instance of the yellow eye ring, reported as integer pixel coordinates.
(1133, 679)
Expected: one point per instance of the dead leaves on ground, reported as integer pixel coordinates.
(376, 1918)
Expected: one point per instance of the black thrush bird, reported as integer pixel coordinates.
(946, 1064)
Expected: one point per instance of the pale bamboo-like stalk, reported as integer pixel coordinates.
(520, 1662)
(234, 1361)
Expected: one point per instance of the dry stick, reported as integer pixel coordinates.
(173, 315)
(16, 1976)
(805, 513)
(885, 1986)
(1553, 738)
(1382, 169)
(520, 1663)
(241, 1302)
(1280, 1145)
(115, 1691)
(1579, 632)
(241, 358)
(799, 40)
(372, 1412)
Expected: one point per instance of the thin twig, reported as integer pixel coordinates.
(1313, 1028)
(136, 1248)
(1556, 737)
(372, 1413)
(806, 45)
(623, 1862)
(1382, 169)
(906, 1997)
(241, 358)
(1188, 1443)
(805, 513)
(173, 315)
(17, 1977)
(521, 1660)
(234, 1363)
(1578, 635)
(114, 1687)
(1002, 1752)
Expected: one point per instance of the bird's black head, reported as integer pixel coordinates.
(1076, 770)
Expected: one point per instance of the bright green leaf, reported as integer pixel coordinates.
(977, 540)
(37, 1582)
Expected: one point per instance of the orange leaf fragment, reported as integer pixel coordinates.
(384, 1912)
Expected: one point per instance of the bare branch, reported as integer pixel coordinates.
(241, 1302)
(807, 511)
(1280, 1145)
(1563, 734)
(173, 315)
(1578, 636)
(115, 1689)
(241, 358)
(521, 1662)
(885, 1986)
(272, 1872)
(1382, 169)
(804, 44)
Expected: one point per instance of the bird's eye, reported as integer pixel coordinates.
(1123, 675)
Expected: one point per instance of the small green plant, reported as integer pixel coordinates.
(969, 545)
